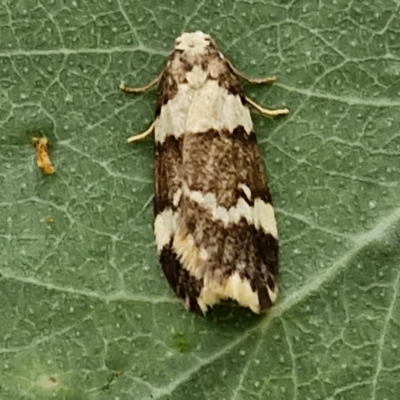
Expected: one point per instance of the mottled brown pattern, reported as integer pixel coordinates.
(215, 162)
(179, 63)
(168, 160)
(236, 247)
(218, 162)
(230, 245)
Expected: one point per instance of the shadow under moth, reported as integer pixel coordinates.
(215, 226)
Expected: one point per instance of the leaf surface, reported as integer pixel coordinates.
(85, 310)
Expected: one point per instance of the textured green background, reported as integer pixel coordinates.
(84, 310)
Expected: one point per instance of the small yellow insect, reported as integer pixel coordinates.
(42, 154)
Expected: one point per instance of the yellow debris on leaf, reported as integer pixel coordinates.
(42, 154)
(49, 220)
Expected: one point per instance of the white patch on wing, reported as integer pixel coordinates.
(272, 295)
(234, 288)
(204, 254)
(177, 197)
(164, 228)
(191, 257)
(198, 109)
(167, 227)
(261, 215)
(265, 217)
(196, 77)
(246, 190)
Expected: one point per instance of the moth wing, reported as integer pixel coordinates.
(168, 193)
(227, 236)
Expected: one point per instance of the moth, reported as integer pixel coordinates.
(215, 226)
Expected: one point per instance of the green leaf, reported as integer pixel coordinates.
(85, 310)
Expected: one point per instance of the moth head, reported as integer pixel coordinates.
(196, 42)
